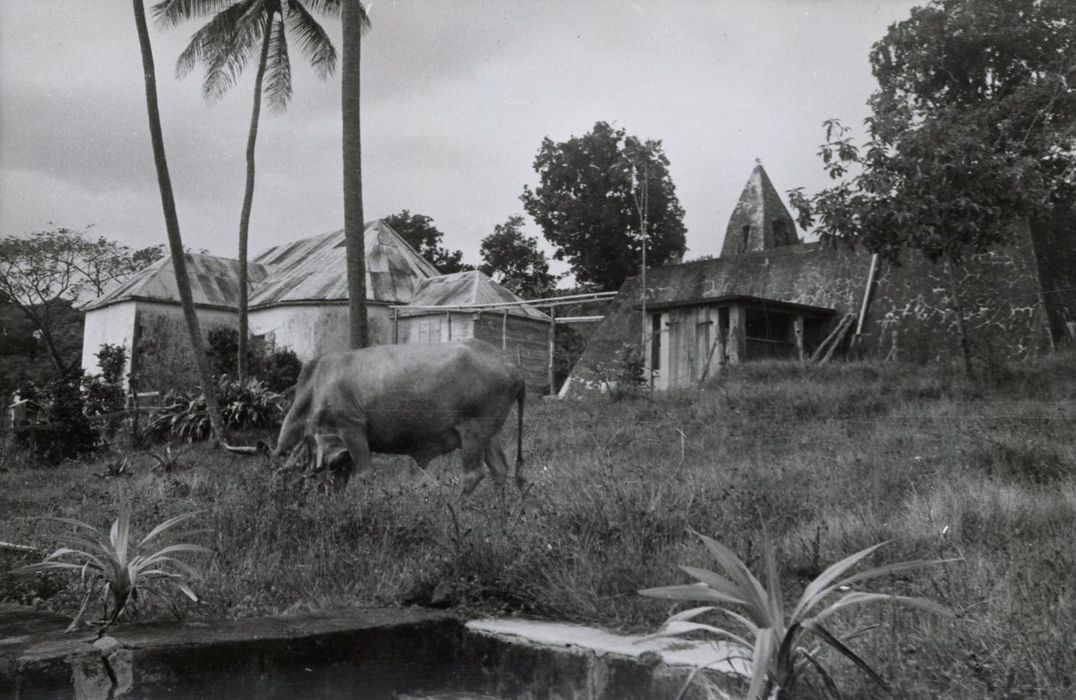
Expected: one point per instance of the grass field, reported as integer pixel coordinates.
(826, 460)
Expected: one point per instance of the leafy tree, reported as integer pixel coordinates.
(171, 220)
(224, 45)
(355, 21)
(45, 274)
(973, 126)
(515, 261)
(418, 230)
(590, 202)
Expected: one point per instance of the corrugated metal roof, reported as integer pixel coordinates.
(315, 269)
(214, 282)
(468, 288)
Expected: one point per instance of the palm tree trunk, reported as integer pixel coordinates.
(354, 233)
(248, 201)
(171, 220)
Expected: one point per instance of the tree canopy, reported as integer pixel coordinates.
(45, 274)
(241, 29)
(515, 261)
(589, 199)
(973, 125)
(419, 231)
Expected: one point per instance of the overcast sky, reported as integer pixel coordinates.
(457, 97)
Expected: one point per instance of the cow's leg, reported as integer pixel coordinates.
(359, 449)
(473, 442)
(497, 462)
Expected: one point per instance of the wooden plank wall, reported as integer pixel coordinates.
(690, 335)
(527, 337)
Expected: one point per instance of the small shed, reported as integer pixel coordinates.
(471, 305)
(693, 339)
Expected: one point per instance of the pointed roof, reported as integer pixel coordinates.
(760, 220)
(214, 282)
(315, 269)
(468, 289)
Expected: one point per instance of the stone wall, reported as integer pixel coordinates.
(999, 292)
(1015, 299)
(1054, 241)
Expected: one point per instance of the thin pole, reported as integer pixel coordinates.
(552, 343)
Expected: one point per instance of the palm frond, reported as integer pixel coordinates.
(277, 81)
(224, 45)
(120, 535)
(329, 8)
(170, 13)
(774, 598)
(695, 592)
(314, 43)
(843, 649)
(760, 664)
(755, 595)
(827, 679)
(833, 585)
(74, 523)
(676, 628)
(813, 593)
(167, 525)
(864, 598)
(717, 582)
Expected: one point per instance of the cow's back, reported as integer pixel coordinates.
(409, 395)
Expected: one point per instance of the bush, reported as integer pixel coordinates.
(623, 374)
(56, 427)
(278, 368)
(103, 394)
(243, 405)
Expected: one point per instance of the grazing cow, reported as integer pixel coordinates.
(417, 400)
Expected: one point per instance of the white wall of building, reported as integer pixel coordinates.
(311, 330)
(113, 325)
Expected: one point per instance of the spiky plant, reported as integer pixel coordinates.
(121, 572)
(782, 647)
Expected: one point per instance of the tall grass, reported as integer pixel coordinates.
(829, 460)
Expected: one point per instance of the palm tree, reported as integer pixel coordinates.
(223, 45)
(355, 21)
(171, 221)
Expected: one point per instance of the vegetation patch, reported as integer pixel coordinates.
(829, 461)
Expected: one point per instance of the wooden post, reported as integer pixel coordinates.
(797, 330)
(737, 342)
(838, 335)
(894, 348)
(552, 342)
(395, 326)
(504, 329)
(720, 340)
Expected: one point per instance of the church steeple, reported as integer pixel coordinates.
(760, 220)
